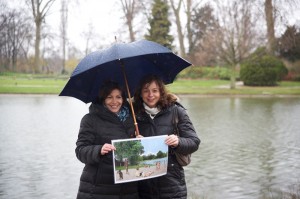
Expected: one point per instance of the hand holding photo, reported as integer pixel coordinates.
(140, 158)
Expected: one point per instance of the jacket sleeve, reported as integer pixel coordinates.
(86, 151)
(188, 140)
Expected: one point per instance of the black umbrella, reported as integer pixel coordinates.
(126, 64)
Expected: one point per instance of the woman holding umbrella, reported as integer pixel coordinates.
(108, 119)
(154, 112)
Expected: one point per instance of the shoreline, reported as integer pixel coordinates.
(181, 95)
(238, 95)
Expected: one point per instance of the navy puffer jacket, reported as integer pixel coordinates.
(98, 127)
(172, 185)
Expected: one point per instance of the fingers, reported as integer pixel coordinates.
(172, 140)
(106, 148)
(139, 136)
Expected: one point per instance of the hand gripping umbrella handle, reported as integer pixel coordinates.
(137, 132)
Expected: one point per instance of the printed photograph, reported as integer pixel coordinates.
(140, 158)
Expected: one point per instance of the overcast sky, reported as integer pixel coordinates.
(105, 16)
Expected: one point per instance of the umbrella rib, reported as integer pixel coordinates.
(92, 87)
(152, 62)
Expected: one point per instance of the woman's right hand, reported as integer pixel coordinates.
(106, 148)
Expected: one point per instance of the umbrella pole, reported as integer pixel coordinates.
(137, 132)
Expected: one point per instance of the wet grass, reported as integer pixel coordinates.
(221, 87)
(31, 84)
(40, 84)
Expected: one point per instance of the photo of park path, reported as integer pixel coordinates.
(140, 158)
(140, 173)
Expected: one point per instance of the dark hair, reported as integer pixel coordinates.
(166, 99)
(106, 90)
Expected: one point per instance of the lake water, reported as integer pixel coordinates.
(250, 147)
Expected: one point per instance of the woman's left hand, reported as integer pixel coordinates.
(139, 136)
(172, 140)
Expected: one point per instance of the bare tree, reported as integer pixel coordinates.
(63, 30)
(188, 23)
(40, 9)
(204, 24)
(270, 26)
(88, 35)
(237, 35)
(180, 34)
(274, 11)
(190, 8)
(137, 15)
(130, 8)
(14, 33)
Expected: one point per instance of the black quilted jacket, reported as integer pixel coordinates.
(173, 184)
(98, 127)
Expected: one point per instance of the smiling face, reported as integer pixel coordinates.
(151, 94)
(114, 101)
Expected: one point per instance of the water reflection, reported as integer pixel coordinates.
(38, 135)
(249, 146)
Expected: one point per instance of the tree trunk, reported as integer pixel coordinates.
(179, 29)
(129, 9)
(270, 26)
(64, 23)
(36, 68)
(131, 33)
(188, 24)
(39, 14)
(232, 77)
(14, 60)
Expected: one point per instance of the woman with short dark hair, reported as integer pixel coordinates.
(109, 118)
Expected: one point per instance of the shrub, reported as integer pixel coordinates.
(191, 72)
(280, 68)
(296, 78)
(262, 70)
(196, 72)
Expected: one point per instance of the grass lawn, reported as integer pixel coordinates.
(37, 84)
(221, 87)
(22, 85)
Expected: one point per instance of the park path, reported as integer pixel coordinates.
(142, 173)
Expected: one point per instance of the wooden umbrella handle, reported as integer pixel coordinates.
(137, 132)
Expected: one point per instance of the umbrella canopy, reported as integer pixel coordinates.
(126, 64)
(137, 59)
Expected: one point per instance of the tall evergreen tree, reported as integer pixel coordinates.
(160, 24)
(289, 44)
